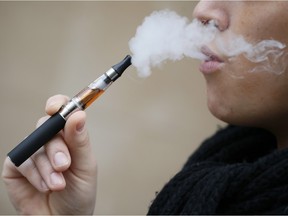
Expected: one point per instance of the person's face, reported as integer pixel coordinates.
(255, 99)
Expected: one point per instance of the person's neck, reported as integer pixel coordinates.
(282, 137)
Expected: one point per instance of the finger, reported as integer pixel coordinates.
(54, 160)
(58, 154)
(56, 149)
(53, 179)
(77, 139)
(54, 103)
(28, 170)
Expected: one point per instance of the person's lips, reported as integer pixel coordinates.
(212, 63)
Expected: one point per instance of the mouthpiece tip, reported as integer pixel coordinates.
(123, 65)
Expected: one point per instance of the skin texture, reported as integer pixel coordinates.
(61, 177)
(259, 98)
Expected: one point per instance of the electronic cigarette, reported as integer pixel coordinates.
(55, 123)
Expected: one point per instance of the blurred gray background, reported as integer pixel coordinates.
(142, 130)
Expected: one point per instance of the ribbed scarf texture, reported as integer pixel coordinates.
(237, 171)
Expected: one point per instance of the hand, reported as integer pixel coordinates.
(60, 178)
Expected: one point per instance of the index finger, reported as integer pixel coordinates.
(54, 103)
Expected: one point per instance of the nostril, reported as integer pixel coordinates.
(213, 11)
(215, 23)
(210, 22)
(205, 21)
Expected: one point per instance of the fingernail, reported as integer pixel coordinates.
(56, 178)
(60, 159)
(80, 126)
(44, 186)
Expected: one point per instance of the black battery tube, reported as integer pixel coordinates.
(37, 139)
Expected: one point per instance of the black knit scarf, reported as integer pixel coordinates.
(237, 171)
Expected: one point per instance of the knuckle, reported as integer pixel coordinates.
(84, 139)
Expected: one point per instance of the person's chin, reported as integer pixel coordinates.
(232, 116)
(225, 112)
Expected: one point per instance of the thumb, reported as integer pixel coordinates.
(77, 139)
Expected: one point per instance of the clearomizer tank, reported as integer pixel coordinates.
(87, 96)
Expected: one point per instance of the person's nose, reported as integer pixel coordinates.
(206, 11)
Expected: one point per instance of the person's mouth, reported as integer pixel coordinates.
(212, 63)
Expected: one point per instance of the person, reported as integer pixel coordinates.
(241, 169)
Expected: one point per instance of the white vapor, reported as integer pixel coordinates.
(165, 35)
